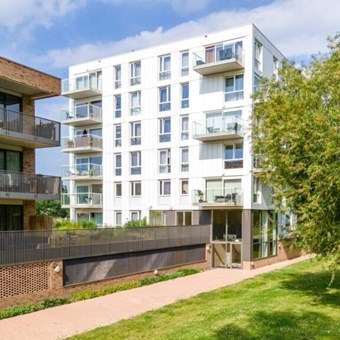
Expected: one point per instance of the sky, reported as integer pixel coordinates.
(51, 35)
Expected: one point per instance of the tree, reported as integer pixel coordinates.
(51, 208)
(296, 134)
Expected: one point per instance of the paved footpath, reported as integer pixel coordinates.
(63, 321)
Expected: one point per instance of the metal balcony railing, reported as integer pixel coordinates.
(82, 170)
(86, 199)
(81, 114)
(82, 143)
(222, 196)
(84, 85)
(36, 131)
(30, 186)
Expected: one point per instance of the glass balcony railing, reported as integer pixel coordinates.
(26, 130)
(81, 200)
(83, 143)
(81, 114)
(219, 58)
(221, 196)
(218, 128)
(82, 86)
(29, 186)
(89, 170)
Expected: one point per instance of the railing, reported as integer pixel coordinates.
(81, 83)
(86, 199)
(34, 246)
(82, 112)
(230, 197)
(18, 184)
(82, 142)
(32, 126)
(219, 53)
(217, 125)
(82, 170)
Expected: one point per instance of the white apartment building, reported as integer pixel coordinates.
(164, 133)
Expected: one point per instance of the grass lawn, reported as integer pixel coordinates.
(292, 303)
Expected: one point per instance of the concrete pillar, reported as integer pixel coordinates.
(247, 242)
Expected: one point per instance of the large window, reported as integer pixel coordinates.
(118, 106)
(165, 161)
(164, 98)
(264, 234)
(184, 217)
(184, 159)
(184, 127)
(165, 187)
(11, 217)
(164, 67)
(118, 164)
(89, 165)
(185, 95)
(135, 215)
(135, 73)
(136, 133)
(258, 55)
(135, 163)
(136, 189)
(184, 63)
(118, 135)
(165, 130)
(118, 76)
(10, 102)
(233, 156)
(135, 103)
(234, 88)
(10, 160)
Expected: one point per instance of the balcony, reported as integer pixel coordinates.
(218, 59)
(82, 115)
(83, 144)
(86, 171)
(18, 185)
(82, 200)
(218, 197)
(84, 86)
(218, 128)
(20, 129)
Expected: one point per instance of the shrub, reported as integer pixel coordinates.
(136, 223)
(68, 224)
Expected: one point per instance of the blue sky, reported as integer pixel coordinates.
(50, 35)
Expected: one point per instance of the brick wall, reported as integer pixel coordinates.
(29, 210)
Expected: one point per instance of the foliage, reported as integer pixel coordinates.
(296, 128)
(51, 208)
(292, 303)
(136, 223)
(168, 276)
(18, 310)
(80, 224)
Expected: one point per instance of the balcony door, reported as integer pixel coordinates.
(11, 217)
(10, 161)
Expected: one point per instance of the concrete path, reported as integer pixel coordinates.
(64, 321)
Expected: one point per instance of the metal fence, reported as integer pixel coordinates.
(34, 246)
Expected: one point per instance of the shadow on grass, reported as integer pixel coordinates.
(316, 285)
(281, 326)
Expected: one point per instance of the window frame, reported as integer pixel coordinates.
(135, 73)
(164, 136)
(135, 139)
(184, 68)
(135, 110)
(166, 104)
(185, 96)
(118, 187)
(118, 105)
(164, 167)
(164, 73)
(135, 188)
(162, 187)
(236, 93)
(184, 133)
(118, 76)
(184, 192)
(184, 164)
(137, 168)
(118, 164)
(118, 135)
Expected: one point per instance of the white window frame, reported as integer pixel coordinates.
(184, 100)
(165, 187)
(118, 76)
(118, 108)
(235, 93)
(135, 215)
(165, 105)
(135, 138)
(184, 163)
(234, 148)
(185, 127)
(135, 109)
(164, 136)
(164, 161)
(118, 218)
(258, 53)
(135, 73)
(118, 135)
(164, 72)
(256, 190)
(184, 66)
(184, 187)
(118, 168)
(135, 188)
(118, 189)
(135, 156)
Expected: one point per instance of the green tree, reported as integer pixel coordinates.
(51, 208)
(296, 130)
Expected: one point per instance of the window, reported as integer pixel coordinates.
(258, 55)
(184, 159)
(118, 189)
(184, 187)
(118, 164)
(264, 234)
(11, 160)
(184, 127)
(275, 67)
(135, 163)
(165, 130)
(118, 106)
(135, 215)
(11, 217)
(118, 77)
(135, 100)
(256, 190)
(164, 98)
(184, 63)
(183, 217)
(118, 135)
(88, 166)
(10, 102)
(165, 187)
(135, 73)
(88, 132)
(185, 95)
(165, 161)
(118, 218)
(136, 132)
(164, 67)
(234, 88)
(257, 80)
(136, 188)
(233, 156)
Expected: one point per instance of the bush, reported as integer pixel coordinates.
(136, 223)
(68, 224)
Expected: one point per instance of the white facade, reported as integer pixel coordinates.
(200, 149)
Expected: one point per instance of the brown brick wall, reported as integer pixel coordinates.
(29, 210)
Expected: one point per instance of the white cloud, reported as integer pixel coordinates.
(296, 27)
